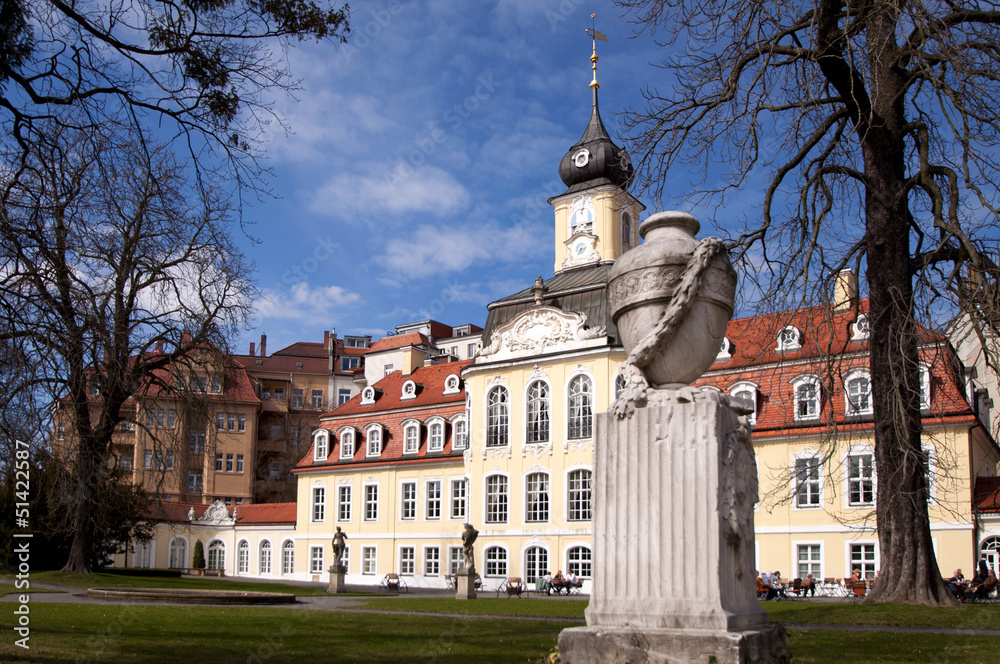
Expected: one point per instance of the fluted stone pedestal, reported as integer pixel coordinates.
(337, 584)
(465, 583)
(673, 558)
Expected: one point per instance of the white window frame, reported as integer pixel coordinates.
(807, 380)
(808, 455)
(411, 436)
(861, 542)
(369, 560)
(409, 389)
(316, 554)
(580, 424)
(216, 555)
(576, 566)
(538, 411)
(433, 499)
(858, 451)
(746, 386)
(576, 505)
(348, 449)
(537, 508)
(368, 396)
(459, 433)
(532, 569)
(287, 557)
(796, 570)
(407, 563)
(408, 500)
(725, 351)
(432, 561)
(344, 507)
(851, 409)
(435, 443)
(452, 384)
(502, 499)
(264, 557)
(321, 445)
(860, 329)
(932, 478)
(317, 513)
(373, 440)
(924, 373)
(177, 549)
(789, 339)
(487, 562)
(369, 504)
(459, 498)
(497, 420)
(456, 559)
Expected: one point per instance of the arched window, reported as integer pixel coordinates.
(496, 561)
(216, 555)
(807, 397)
(579, 487)
(789, 338)
(536, 563)
(925, 387)
(411, 437)
(619, 385)
(858, 393)
(243, 557)
(626, 231)
(578, 561)
(581, 407)
(497, 417)
(322, 444)
(374, 440)
(264, 566)
(536, 506)
(178, 553)
(538, 412)
(288, 557)
(991, 549)
(347, 443)
(460, 434)
(435, 435)
(748, 392)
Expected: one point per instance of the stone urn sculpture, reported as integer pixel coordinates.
(671, 298)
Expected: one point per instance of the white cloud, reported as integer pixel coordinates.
(435, 250)
(397, 189)
(313, 306)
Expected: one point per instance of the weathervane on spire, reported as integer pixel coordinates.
(595, 35)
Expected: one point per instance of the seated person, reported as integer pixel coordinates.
(547, 582)
(983, 590)
(856, 576)
(809, 585)
(572, 581)
(559, 583)
(764, 589)
(777, 585)
(955, 584)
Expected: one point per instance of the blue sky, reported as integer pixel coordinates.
(414, 184)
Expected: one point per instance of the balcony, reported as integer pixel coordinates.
(274, 406)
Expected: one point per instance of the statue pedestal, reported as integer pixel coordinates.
(465, 583)
(673, 582)
(337, 584)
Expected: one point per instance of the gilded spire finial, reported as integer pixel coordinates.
(595, 35)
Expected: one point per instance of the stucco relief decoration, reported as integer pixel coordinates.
(217, 514)
(737, 487)
(536, 373)
(541, 328)
(344, 482)
(536, 450)
(467, 456)
(581, 215)
(497, 452)
(581, 249)
(578, 445)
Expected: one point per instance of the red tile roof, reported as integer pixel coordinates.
(399, 341)
(246, 515)
(828, 352)
(285, 364)
(986, 496)
(304, 349)
(390, 411)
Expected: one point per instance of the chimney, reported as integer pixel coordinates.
(185, 337)
(159, 346)
(326, 338)
(845, 290)
(263, 345)
(253, 347)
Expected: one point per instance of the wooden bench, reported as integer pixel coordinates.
(392, 583)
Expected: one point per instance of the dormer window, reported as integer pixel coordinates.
(459, 433)
(347, 443)
(374, 434)
(807, 397)
(435, 434)
(321, 442)
(451, 384)
(409, 390)
(725, 351)
(925, 387)
(859, 328)
(368, 396)
(411, 436)
(789, 339)
(858, 393)
(746, 391)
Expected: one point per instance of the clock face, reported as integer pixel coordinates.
(581, 158)
(579, 248)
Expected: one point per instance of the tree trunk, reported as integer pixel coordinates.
(908, 570)
(85, 493)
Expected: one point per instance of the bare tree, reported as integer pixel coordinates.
(879, 111)
(196, 71)
(115, 269)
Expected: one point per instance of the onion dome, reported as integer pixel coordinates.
(595, 160)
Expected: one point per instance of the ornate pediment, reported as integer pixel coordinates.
(541, 329)
(217, 514)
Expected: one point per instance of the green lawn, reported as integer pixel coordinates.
(982, 616)
(866, 647)
(112, 579)
(188, 635)
(566, 608)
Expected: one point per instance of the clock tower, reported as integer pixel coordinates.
(596, 218)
